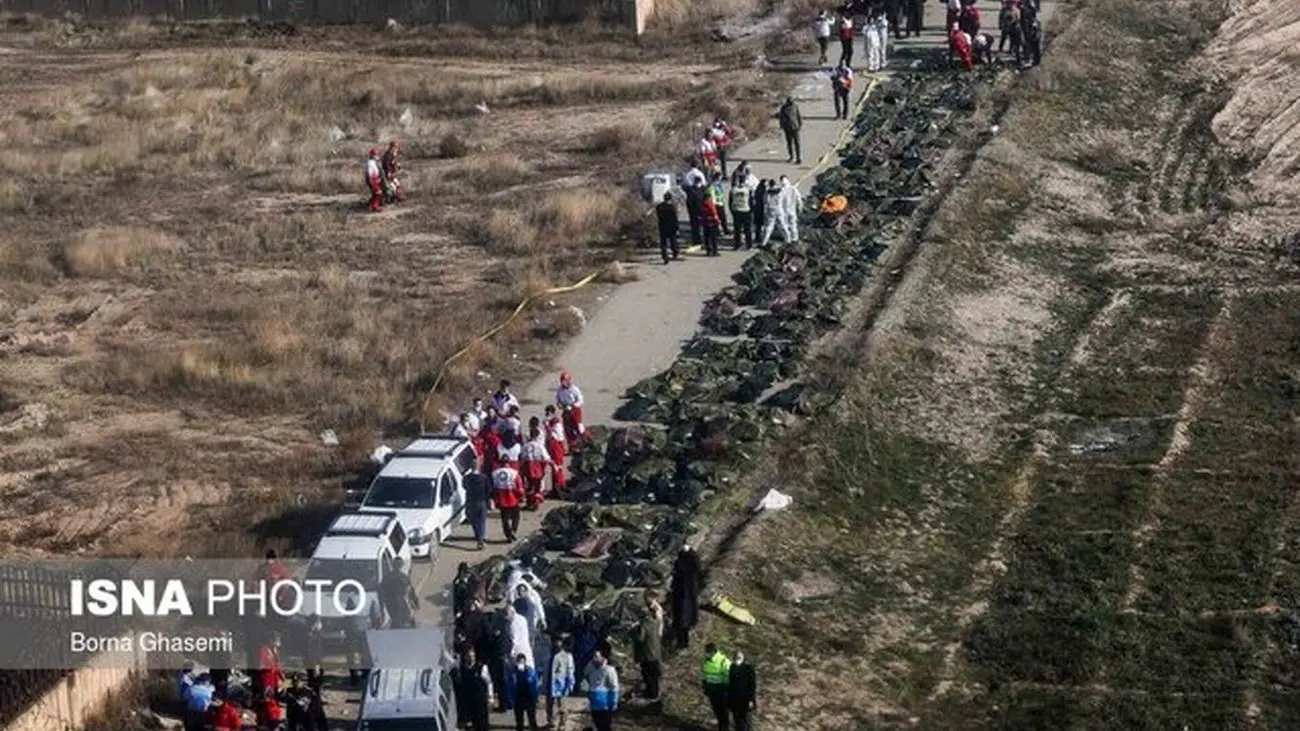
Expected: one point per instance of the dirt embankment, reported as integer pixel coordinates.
(1059, 493)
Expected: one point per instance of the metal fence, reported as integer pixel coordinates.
(475, 13)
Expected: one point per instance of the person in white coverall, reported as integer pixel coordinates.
(789, 205)
(877, 33)
(520, 638)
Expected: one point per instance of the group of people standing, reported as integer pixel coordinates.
(1019, 27)
(757, 208)
(514, 464)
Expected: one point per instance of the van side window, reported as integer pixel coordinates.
(446, 488)
(397, 538)
(466, 461)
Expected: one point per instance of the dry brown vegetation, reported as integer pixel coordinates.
(187, 264)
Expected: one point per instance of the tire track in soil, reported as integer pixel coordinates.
(1251, 705)
(993, 565)
(1204, 375)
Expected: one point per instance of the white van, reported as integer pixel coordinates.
(422, 484)
(409, 685)
(358, 546)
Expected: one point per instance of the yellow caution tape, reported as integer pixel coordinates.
(442, 369)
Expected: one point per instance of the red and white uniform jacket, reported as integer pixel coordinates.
(507, 487)
(503, 401)
(555, 439)
(534, 459)
(373, 174)
(509, 456)
(707, 151)
(721, 134)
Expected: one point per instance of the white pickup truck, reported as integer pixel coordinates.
(422, 484)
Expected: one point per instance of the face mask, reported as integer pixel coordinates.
(520, 666)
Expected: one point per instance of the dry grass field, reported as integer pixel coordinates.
(190, 289)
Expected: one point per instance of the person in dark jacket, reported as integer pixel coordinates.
(666, 212)
(695, 209)
(314, 656)
(687, 577)
(478, 489)
(472, 686)
(465, 589)
(791, 122)
(524, 688)
(742, 692)
(915, 12)
(760, 207)
(398, 597)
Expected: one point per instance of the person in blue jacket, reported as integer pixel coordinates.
(523, 688)
(602, 692)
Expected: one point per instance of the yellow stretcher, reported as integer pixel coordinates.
(730, 610)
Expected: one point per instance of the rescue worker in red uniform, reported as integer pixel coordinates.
(375, 181)
(225, 716)
(391, 166)
(508, 491)
(508, 450)
(534, 462)
(555, 446)
(959, 46)
(269, 672)
(569, 398)
(270, 712)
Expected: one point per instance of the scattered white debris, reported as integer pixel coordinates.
(329, 438)
(407, 119)
(578, 314)
(381, 454)
(482, 108)
(337, 134)
(482, 375)
(993, 129)
(392, 24)
(773, 500)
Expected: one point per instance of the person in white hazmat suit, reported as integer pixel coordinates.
(521, 639)
(520, 575)
(528, 602)
(789, 206)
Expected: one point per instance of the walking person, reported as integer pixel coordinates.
(894, 18)
(508, 492)
(686, 581)
(647, 651)
(478, 491)
(666, 213)
(390, 165)
(846, 39)
(375, 181)
(742, 214)
(742, 692)
(841, 87)
(1012, 32)
(602, 692)
(568, 397)
(523, 687)
(715, 672)
(560, 683)
(722, 135)
(1031, 30)
(472, 687)
(791, 122)
(821, 28)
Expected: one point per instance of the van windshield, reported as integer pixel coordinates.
(335, 570)
(402, 724)
(400, 492)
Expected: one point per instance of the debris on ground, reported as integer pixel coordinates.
(635, 489)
